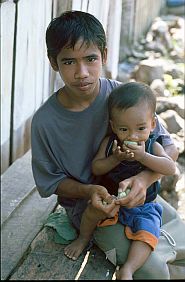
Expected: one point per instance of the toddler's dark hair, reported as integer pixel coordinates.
(69, 27)
(130, 94)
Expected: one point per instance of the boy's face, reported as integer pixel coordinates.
(80, 68)
(134, 123)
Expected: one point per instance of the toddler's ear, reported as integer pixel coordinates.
(53, 63)
(153, 123)
(112, 126)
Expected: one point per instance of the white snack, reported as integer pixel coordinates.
(127, 191)
(130, 142)
(123, 194)
(104, 202)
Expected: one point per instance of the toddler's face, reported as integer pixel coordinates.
(133, 124)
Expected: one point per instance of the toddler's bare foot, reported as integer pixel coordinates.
(74, 250)
(124, 273)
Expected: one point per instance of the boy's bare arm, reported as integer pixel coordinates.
(71, 188)
(172, 151)
(159, 162)
(148, 177)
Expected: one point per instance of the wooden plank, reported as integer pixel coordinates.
(114, 21)
(7, 41)
(100, 10)
(62, 6)
(32, 67)
(76, 5)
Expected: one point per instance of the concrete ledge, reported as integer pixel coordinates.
(24, 213)
(16, 184)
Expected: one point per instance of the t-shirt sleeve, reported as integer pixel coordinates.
(46, 176)
(47, 172)
(162, 135)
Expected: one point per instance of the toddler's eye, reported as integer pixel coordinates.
(123, 129)
(142, 128)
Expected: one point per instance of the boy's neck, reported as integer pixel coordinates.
(72, 104)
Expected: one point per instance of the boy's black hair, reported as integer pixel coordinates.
(130, 94)
(69, 27)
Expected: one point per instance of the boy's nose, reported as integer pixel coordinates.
(81, 71)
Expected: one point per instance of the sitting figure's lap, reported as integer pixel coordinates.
(113, 238)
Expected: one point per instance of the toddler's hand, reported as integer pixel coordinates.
(138, 150)
(121, 154)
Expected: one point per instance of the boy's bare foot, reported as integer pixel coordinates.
(123, 273)
(74, 250)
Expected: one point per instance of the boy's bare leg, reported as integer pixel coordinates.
(90, 218)
(138, 254)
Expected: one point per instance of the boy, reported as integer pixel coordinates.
(69, 127)
(132, 118)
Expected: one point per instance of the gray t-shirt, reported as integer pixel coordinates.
(64, 142)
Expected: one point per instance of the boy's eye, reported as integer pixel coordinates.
(92, 59)
(142, 128)
(70, 62)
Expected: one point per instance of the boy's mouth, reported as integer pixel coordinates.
(83, 86)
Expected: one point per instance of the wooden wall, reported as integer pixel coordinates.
(27, 79)
(25, 72)
(137, 16)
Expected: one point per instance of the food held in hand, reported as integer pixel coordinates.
(126, 142)
(123, 193)
(104, 202)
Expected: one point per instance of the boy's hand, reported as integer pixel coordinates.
(137, 194)
(103, 201)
